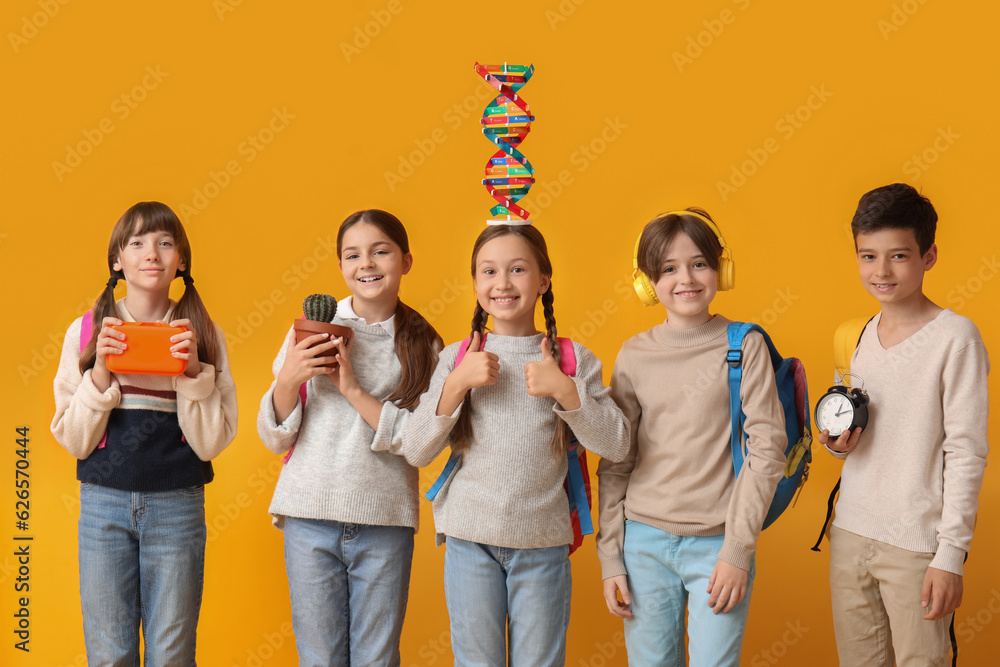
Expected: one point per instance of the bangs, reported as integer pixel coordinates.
(146, 217)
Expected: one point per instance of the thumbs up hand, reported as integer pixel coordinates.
(477, 369)
(545, 378)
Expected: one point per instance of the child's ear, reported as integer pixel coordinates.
(546, 283)
(407, 263)
(930, 257)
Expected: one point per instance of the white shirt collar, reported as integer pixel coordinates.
(345, 311)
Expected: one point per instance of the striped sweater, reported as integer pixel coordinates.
(161, 432)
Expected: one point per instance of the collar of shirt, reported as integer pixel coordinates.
(345, 311)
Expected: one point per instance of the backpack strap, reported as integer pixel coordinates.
(577, 486)
(302, 395)
(736, 332)
(449, 467)
(846, 339)
(86, 331)
(829, 513)
(567, 358)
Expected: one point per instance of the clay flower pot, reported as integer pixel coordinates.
(305, 328)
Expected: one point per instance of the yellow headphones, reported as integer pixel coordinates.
(727, 269)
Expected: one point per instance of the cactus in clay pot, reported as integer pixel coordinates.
(319, 307)
(319, 310)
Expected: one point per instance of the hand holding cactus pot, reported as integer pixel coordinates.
(318, 311)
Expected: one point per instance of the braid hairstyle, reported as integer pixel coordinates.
(561, 437)
(143, 218)
(416, 341)
(462, 435)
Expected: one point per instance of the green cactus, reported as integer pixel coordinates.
(319, 307)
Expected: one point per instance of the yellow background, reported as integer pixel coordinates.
(347, 120)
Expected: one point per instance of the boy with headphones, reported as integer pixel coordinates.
(678, 530)
(910, 482)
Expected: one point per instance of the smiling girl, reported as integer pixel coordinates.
(144, 444)
(506, 409)
(348, 513)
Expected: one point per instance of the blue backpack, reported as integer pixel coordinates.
(793, 393)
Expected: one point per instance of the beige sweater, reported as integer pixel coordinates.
(913, 481)
(673, 387)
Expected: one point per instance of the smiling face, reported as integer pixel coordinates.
(685, 284)
(373, 266)
(508, 282)
(891, 267)
(149, 261)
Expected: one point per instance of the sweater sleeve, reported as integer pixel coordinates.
(613, 477)
(279, 438)
(425, 433)
(81, 417)
(392, 424)
(765, 460)
(206, 404)
(965, 404)
(598, 423)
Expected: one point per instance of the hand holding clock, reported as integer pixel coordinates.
(845, 444)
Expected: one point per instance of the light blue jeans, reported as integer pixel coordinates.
(349, 583)
(142, 561)
(667, 574)
(498, 595)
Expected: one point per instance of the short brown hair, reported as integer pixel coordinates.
(660, 232)
(896, 206)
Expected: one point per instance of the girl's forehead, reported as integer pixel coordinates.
(681, 244)
(364, 233)
(506, 247)
(142, 227)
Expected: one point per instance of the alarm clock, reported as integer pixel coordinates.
(842, 409)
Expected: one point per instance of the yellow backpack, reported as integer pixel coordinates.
(845, 340)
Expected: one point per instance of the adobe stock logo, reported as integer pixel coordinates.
(30, 25)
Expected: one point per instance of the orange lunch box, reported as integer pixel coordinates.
(148, 350)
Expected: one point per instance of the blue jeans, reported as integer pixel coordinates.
(142, 561)
(349, 583)
(667, 574)
(498, 594)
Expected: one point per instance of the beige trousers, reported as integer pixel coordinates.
(877, 617)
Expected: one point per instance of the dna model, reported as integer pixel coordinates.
(506, 122)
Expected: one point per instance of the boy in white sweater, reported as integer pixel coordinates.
(911, 479)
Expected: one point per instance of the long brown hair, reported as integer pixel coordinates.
(417, 342)
(143, 218)
(462, 434)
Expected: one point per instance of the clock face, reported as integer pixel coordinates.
(835, 413)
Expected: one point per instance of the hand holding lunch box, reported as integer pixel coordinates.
(147, 350)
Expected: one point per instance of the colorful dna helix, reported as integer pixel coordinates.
(506, 122)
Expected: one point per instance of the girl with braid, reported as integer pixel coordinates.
(145, 445)
(506, 409)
